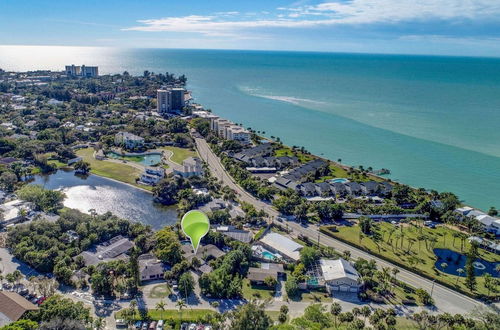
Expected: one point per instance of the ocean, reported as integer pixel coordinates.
(433, 121)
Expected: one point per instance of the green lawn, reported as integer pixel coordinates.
(337, 171)
(117, 171)
(313, 296)
(179, 154)
(286, 151)
(411, 250)
(256, 292)
(160, 291)
(274, 315)
(57, 163)
(188, 314)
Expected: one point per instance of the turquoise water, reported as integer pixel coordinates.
(268, 255)
(340, 180)
(146, 160)
(433, 121)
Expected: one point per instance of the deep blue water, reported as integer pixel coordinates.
(455, 261)
(433, 121)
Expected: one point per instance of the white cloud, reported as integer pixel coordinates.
(330, 13)
(387, 11)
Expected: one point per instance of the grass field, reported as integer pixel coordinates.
(117, 171)
(179, 154)
(188, 314)
(256, 292)
(336, 170)
(285, 151)
(160, 291)
(412, 251)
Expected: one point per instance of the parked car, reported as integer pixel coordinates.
(159, 326)
(152, 325)
(138, 324)
(144, 325)
(120, 323)
(24, 292)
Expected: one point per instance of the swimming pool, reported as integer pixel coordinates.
(268, 255)
(339, 180)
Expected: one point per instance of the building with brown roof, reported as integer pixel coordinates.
(259, 275)
(12, 307)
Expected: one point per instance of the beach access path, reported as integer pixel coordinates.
(446, 300)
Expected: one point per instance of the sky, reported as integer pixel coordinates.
(441, 27)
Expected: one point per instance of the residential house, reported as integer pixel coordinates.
(152, 175)
(370, 188)
(129, 140)
(490, 224)
(258, 275)
(237, 234)
(13, 306)
(204, 254)
(14, 211)
(277, 243)
(339, 276)
(115, 248)
(150, 267)
(191, 166)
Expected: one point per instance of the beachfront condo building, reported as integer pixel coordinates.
(82, 71)
(228, 130)
(163, 101)
(170, 100)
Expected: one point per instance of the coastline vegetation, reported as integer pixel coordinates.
(411, 245)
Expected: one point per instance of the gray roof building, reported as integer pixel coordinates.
(115, 248)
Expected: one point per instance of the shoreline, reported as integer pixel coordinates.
(347, 167)
(126, 183)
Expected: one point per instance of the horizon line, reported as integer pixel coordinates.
(271, 51)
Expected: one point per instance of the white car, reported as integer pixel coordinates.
(121, 323)
(159, 326)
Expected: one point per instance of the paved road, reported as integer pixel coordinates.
(446, 300)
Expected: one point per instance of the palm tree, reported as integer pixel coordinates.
(180, 305)
(161, 306)
(460, 271)
(455, 235)
(335, 310)
(99, 323)
(132, 307)
(411, 241)
(395, 272)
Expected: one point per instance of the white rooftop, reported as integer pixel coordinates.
(283, 244)
(337, 269)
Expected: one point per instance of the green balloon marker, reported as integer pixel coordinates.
(195, 225)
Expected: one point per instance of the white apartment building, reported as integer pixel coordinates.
(228, 130)
(163, 101)
(82, 71)
(238, 133)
